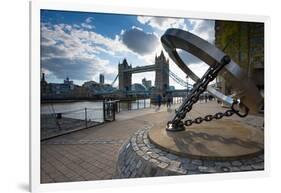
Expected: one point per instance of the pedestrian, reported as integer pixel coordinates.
(159, 100)
(169, 100)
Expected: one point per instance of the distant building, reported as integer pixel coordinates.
(172, 88)
(146, 83)
(95, 88)
(61, 88)
(101, 79)
(245, 46)
(44, 84)
(125, 76)
(138, 87)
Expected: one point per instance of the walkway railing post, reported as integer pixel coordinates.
(113, 110)
(86, 118)
(103, 111)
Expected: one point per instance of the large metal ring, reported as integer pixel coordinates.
(179, 39)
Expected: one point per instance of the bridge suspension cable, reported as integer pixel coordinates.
(115, 80)
(178, 79)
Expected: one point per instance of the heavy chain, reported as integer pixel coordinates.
(218, 115)
(199, 87)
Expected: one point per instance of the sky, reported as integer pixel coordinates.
(82, 45)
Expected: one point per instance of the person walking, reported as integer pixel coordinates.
(169, 101)
(159, 100)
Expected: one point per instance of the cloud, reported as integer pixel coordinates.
(87, 26)
(203, 28)
(70, 51)
(139, 41)
(89, 19)
(76, 68)
(162, 23)
(188, 58)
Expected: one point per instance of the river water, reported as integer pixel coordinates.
(77, 110)
(93, 110)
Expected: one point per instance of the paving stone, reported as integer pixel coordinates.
(192, 172)
(258, 160)
(197, 162)
(235, 169)
(205, 169)
(175, 164)
(209, 163)
(171, 156)
(135, 147)
(145, 149)
(154, 155)
(164, 159)
(223, 164)
(154, 161)
(225, 169)
(248, 162)
(146, 141)
(140, 153)
(162, 153)
(163, 165)
(146, 157)
(246, 168)
(140, 145)
(258, 166)
(236, 163)
(139, 164)
(191, 167)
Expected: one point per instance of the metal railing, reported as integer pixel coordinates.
(58, 123)
(127, 105)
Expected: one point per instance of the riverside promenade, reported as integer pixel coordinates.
(91, 154)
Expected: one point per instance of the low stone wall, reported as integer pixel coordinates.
(139, 158)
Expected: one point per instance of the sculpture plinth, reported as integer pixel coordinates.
(219, 140)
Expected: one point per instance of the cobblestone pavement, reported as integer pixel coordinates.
(91, 154)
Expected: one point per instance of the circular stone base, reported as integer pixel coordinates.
(218, 140)
(140, 158)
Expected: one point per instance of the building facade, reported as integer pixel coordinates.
(101, 79)
(162, 73)
(147, 83)
(244, 43)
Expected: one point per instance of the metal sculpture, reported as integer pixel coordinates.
(249, 98)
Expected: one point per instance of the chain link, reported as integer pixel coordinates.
(208, 118)
(198, 88)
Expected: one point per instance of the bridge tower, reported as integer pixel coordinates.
(125, 75)
(161, 74)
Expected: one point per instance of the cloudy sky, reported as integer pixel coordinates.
(82, 45)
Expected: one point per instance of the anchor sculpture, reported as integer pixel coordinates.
(249, 98)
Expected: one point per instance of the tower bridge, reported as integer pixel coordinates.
(161, 67)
